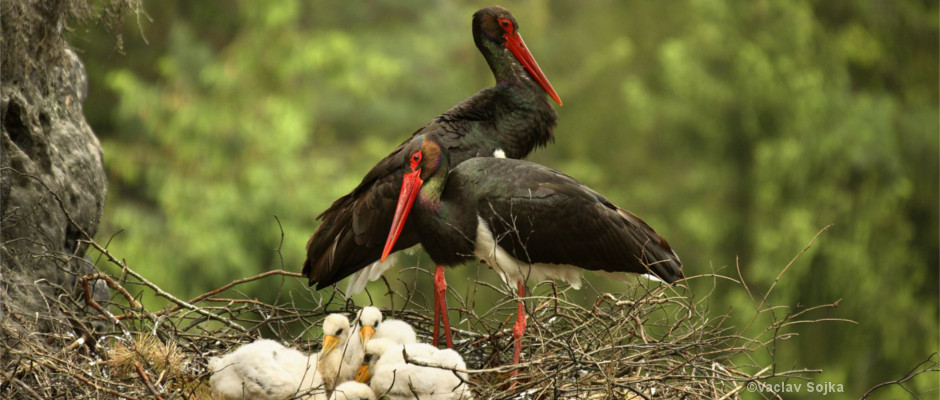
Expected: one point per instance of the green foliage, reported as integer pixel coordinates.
(737, 128)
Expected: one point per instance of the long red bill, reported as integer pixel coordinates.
(518, 48)
(410, 186)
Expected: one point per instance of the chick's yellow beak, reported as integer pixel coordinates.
(329, 343)
(363, 375)
(365, 334)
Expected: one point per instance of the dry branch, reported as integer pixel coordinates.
(651, 341)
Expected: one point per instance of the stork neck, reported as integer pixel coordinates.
(429, 198)
(446, 220)
(506, 69)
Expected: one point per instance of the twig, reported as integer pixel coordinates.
(914, 372)
(146, 379)
(796, 257)
(160, 292)
(94, 304)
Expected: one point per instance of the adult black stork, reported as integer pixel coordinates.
(523, 219)
(509, 119)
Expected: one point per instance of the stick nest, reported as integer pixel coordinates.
(651, 342)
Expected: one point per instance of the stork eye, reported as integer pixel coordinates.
(415, 159)
(339, 332)
(367, 358)
(506, 25)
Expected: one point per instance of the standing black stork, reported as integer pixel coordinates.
(525, 220)
(509, 119)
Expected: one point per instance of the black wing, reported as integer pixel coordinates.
(353, 230)
(543, 216)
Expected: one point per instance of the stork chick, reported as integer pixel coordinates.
(367, 322)
(398, 331)
(397, 379)
(335, 337)
(266, 370)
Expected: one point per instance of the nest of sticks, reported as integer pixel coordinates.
(652, 341)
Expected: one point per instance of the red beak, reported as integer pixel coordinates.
(515, 44)
(410, 187)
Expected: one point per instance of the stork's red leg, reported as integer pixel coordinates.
(519, 329)
(437, 317)
(440, 308)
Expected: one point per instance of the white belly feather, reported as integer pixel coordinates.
(511, 270)
(373, 272)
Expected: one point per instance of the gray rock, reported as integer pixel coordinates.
(52, 191)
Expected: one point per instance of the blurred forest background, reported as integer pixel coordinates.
(738, 129)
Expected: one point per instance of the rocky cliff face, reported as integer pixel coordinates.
(52, 179)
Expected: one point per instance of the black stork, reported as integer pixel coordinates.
(509, 119)
(524, 220)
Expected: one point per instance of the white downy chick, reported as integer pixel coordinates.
(266, 370)
(368, 319)
(391, 333)
(395, 379)
(352, 391)
(398, 331)
(374, 350)
(336, 333)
